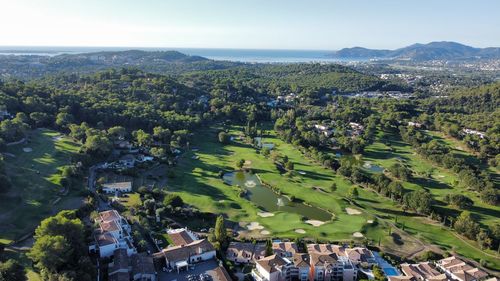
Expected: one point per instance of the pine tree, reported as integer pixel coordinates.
(220, 231)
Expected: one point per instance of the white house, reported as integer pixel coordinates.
(330, 262)
(272, 268)
(457, 269)
(113, 234)
(178, 257)
(113, 187)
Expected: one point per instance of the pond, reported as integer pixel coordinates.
(261, 144)
(269, 201)
(372, 167)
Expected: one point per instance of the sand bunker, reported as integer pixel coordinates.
(265, 232)
(254, 226)
(315, 222)
(369, 221)
(352, 211)
(302, 172)
(27, 149)
(250, 183)
(300, 231)
(439, 176)
(358, 235)
(265, 214)
(248, 163)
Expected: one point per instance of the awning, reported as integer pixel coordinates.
(180, 264)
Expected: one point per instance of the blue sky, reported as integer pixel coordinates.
(259, 24)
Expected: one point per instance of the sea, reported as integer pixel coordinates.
(236, 55)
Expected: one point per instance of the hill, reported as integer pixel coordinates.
(443, 50)
(166, 62)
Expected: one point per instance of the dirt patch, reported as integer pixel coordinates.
(265, 232)
(265, 214)
(352, 211)
(254, 226)
(358, 235)
(27, 149)
(300, 231)
(315, 222)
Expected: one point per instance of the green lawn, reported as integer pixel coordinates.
(198, 183)
(440, 184)
(35, 180)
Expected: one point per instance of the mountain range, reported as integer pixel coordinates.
(443, 50)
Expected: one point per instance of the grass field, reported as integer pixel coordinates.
(35, 180)
(198, 183)
(439, 184)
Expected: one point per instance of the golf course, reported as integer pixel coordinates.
(372, 217)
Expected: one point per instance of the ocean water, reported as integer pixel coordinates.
(239, 55)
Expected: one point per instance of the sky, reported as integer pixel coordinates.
(248, 24)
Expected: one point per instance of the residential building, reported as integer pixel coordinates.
(330, 262)
(457, 269)
(137, 267)
(301, 267)
(240, 252)
(114, 187)
(113, 234)
(181, 256)
(423, 271)
(358, 255)
(181, 236)
(259, 251)
(285, 249)
(272, 268)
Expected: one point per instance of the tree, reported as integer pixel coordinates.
(173, 200)
(224, 137)
(63, 119)
(269, 248)
(353, 193)
(158, 152)
(117, 132)
(419, 201)
(142, 138)
(265, 151)
(51, 253)
(60, 248)
(483, 239)
(378, 273)
(458, 200)
(12, 270)
(333, 187)
(220, 231)
(400, 171)
(466, 225)
(240, 163)
(289, 166)
(98, 145)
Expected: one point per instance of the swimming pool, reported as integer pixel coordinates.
(390, 271)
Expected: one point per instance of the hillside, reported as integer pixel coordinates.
(421, 52)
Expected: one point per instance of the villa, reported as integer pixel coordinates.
(272, 268)
(113, 234)
(137, 267)
(423, 271)
(240, 252)
(285, 249)
(330, 262)
(122, 187)
(187, 249)
(457, 269)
